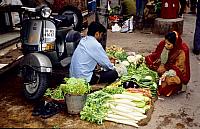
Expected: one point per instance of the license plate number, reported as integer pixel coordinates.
(49, 33)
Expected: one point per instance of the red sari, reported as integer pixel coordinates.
(178, 60)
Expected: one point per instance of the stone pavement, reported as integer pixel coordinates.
(9, 55)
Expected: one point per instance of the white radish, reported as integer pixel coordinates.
(129, 97)
(139, 95)
(128, 107)
(116, 116)
(129, 115)
(124, 110)
(123, 101)
(127, 122)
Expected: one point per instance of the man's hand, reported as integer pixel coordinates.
(98, 68)
(113, 60)
(121, 69)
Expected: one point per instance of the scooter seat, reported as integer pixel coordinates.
(62, 31)
(73, 36)
(65, 20)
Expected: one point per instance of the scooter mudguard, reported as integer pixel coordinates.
(37, 61)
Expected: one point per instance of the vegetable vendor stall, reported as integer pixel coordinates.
(129, 100)
(117, 105)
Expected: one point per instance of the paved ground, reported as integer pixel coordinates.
(177, 112)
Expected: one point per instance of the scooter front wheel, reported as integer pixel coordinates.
(35, 84)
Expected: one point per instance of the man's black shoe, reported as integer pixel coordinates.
(38, 109)
(196, 52)
(47, 109)
(50, 109)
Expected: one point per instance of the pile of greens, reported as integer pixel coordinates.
(118, 106)
(74, 86)
(54, 93)
(143, 76)
(95, 109)
(137, 69)
(113, 90)
(116, 52)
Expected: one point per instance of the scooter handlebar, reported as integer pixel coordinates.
(55, 19)
(29, 9)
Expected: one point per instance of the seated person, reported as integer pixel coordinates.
(88, 54)
(171, 61)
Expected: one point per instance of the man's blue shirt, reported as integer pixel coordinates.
(88, 53)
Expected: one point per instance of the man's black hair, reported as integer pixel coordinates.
(171, 37)
(95, 27)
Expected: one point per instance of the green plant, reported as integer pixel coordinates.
(158, 5)
(115, 10)
(54, 93)
(75, 86)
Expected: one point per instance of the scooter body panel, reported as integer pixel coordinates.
(37, 34)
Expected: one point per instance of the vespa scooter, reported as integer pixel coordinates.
(46, 41)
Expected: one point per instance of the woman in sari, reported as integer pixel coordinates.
(171, 61)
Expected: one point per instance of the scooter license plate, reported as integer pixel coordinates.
(49, 33)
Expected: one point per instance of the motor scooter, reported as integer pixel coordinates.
(47, 42)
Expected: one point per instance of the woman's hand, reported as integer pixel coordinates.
(175, 80)
(161, 69)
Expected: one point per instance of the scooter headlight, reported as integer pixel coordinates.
(45, 12)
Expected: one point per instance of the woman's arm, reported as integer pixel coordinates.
(151, 59)
(179, 66)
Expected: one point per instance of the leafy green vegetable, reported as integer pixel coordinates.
(100, 106)
(113, 90)
(48, 92)
(95, 109)
(116, 52)
(75, 86)
(121, 55)
(143, 76)
(54, 93)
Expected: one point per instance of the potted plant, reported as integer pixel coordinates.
(75, 91)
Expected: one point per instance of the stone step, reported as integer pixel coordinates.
(163, 26)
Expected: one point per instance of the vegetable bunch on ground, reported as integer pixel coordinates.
(117, 105)
(75, 86)
(54, 93)
(143, 77)
(138, 74)
(116, 52)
